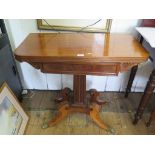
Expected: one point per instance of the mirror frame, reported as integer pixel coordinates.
(42, 26)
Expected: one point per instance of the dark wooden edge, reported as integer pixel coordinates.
(119, 67)
(148, 23)
(78, 60)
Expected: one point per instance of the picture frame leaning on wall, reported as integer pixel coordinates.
(76, 25)
(13, 119)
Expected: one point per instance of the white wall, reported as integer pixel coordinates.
(34, 79)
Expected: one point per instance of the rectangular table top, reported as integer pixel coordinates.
(49, 47)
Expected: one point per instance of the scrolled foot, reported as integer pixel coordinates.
(94, 114)
(94, 94)
(62, 113)
(63, 96)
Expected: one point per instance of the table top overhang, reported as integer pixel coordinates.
(80, 47)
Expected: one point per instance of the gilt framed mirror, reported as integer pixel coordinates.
(77, 25)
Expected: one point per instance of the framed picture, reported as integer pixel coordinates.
(13, 119)
(78, 25)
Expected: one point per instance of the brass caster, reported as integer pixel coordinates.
(45, 126)
(111, 131)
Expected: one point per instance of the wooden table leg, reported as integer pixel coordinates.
(152, 116)
(95, 105)
(94, 94)
(64, 95)
(62, 113)
(131, 78)
(145, 98)
(94, 114)
(79, 103)
(79, 86)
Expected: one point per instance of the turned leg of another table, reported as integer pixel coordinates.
(131, 78)
(152, 116)
(145, 98)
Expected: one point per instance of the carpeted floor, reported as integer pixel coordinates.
(118, 113)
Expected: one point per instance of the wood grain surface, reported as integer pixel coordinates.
(81, 47)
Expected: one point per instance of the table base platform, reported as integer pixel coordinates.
(66, 108)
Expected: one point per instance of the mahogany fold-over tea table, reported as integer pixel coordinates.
(80, 54)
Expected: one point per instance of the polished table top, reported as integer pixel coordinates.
(49, 47)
